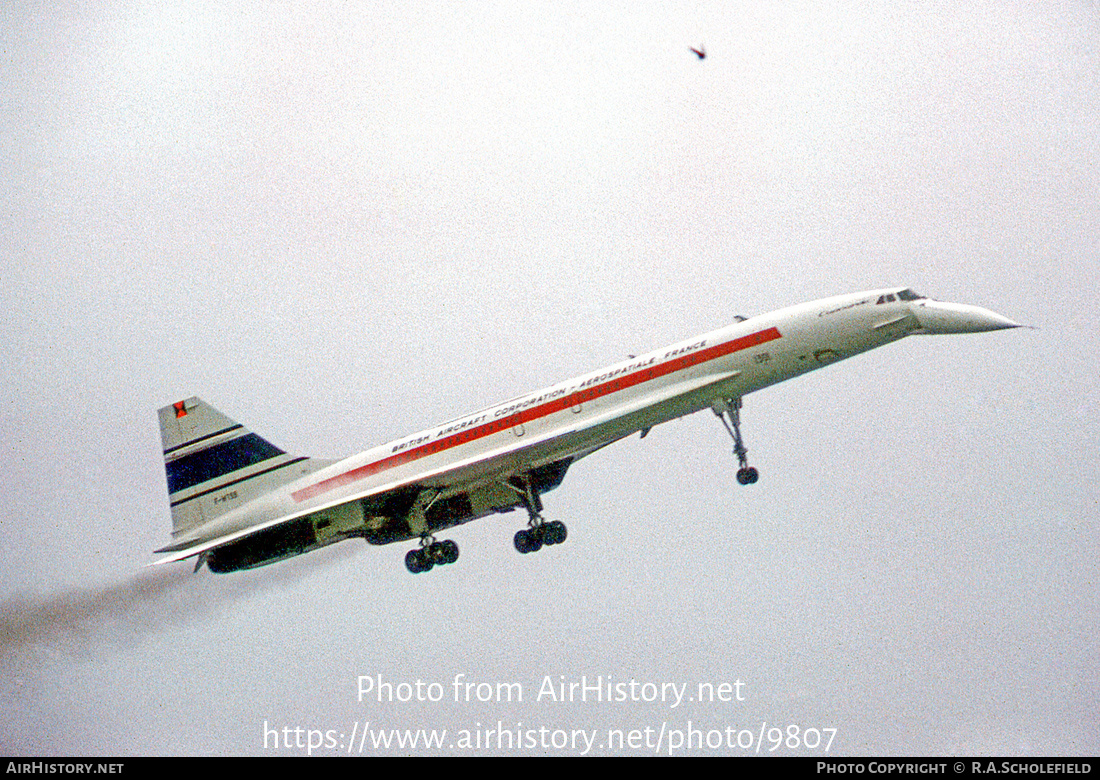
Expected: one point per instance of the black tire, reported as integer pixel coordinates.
(554, 532)
(528, 540)
(747, 475)
(415, 562)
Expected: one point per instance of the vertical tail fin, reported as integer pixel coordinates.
(214, 464)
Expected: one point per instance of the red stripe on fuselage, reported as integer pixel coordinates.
(536, 412)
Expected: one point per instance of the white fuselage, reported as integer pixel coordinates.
(573, 418)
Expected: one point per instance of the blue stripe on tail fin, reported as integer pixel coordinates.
(218, 459)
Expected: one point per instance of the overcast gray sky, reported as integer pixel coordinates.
(340, 223)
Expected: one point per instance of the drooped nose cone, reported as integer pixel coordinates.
(937, 317)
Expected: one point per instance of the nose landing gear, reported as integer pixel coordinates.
(746, 474)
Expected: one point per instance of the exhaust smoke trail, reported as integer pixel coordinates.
(50, 642)
(76, 620)
(77, 614)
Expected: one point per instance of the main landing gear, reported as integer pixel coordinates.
(746, 474)
(538, 531)
(431, 553)
(528, 540)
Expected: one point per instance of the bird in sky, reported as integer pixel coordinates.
(701, 52)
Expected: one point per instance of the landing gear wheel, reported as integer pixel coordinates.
(431, 554)
(747, 475)
(448, 551)
(554, 532)
(528, 540)
(417, 561)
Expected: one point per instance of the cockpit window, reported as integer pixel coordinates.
(904, 295)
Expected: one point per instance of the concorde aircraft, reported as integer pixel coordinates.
(238, 501)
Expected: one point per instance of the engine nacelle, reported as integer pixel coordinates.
(391, 522)
(264, 547)
(380, 520)
(288, 539)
